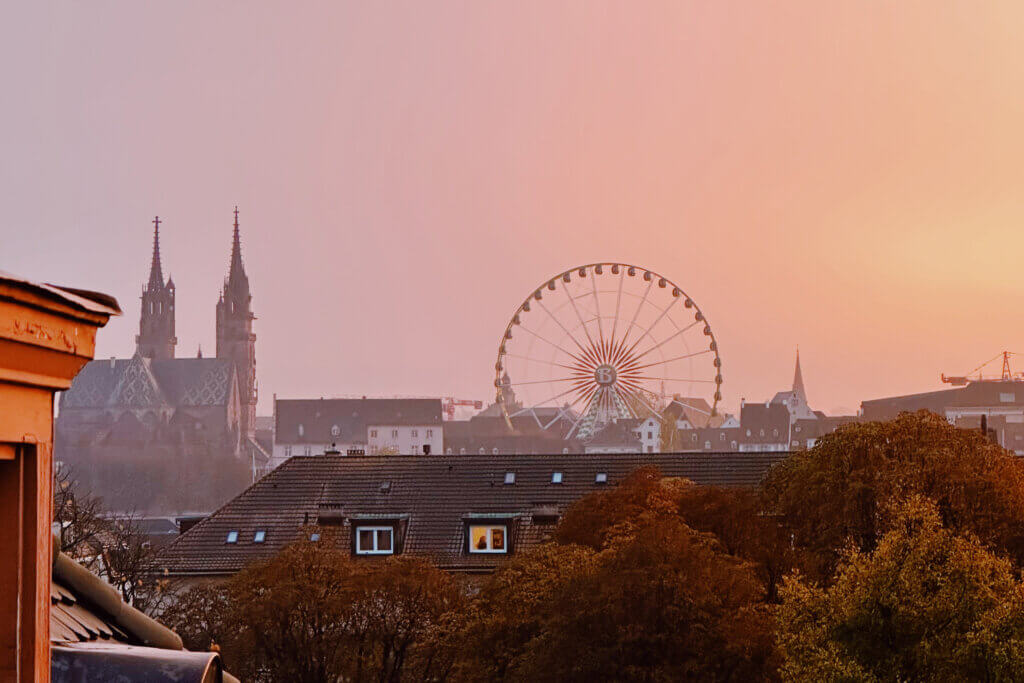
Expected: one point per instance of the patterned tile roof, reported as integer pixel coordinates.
(142, 383)
(432, 496)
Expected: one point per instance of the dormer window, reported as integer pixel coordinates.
(556, 477)
(488, 538)
(510, 478)
(232, 537)
(375, 540)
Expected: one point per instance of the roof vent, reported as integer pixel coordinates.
(330, 515)
(385, 487)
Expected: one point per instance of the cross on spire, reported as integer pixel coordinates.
(156, 275)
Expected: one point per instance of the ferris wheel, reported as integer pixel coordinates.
(604, 342)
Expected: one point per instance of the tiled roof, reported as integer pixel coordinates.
(434, 495)
(351, 416)
(72, 622)
(142, 382)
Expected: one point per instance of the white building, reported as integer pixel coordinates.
(306, 427)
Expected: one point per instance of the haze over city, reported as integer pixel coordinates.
(840, 177)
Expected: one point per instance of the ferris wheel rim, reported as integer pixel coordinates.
(593, 270)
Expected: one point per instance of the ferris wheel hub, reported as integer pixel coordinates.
(605, 374)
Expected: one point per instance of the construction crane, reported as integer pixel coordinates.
(448, 405)
(1006, 376)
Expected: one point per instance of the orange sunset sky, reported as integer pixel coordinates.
(843, 176)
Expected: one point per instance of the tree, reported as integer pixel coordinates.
(832, 494)
(79, 519)
(925, 604)
(313, 613)
(626, 592)
(735, 517)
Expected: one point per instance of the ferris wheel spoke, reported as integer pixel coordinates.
(666, 340)
(636, 313)
(565, 290)
(542, 403)
(563, 328)
(624, 402)
(618, 305)
(597, 308)
(639, 397)
(581, 378)
(589, 399)
(669, 360)
(653, 325)
(557, 346)
(541, 360)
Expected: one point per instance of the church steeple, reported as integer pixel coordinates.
(156, 323)
(156, 275)
(237, 282)
(798, 380)
(235, 339)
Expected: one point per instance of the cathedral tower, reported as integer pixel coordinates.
(156, 325)
(235, 339)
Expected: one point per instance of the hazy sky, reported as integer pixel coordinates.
(846, 177)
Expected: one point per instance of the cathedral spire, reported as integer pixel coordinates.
(237, 280)
(156, 275)
(798, 380)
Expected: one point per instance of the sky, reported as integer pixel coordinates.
(842, 177)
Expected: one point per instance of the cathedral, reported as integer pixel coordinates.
(155, 401)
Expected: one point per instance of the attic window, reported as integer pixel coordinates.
(232, 537)
(488, 538)
(385, 487)
(259, 536)
(556, 477)
(510, 477)
(374, 540)
(601, 478)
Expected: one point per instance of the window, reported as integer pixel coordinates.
(430, 433)
(448, 451)
(1007, 398)
(394, 433)
(556, 477)
(373, 433)
(462, 451)
(302, 430)
(797, 429)
(314, 537)
(721, 436)
(488, 538)
(748, 432)
(707, 444)
(650, 435)
(415, 433)
(510, 477)
(232, 536)
(259, 536)
(775, 432)
(374, 540)
(601, 478)
(287, 451)
(335, 430)
(762, 432)
(650, 449)
(734, 445)
(307, 451)
(565, 451)
(494, 451)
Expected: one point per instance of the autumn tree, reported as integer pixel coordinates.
(832, 494)
(926, 604)
(313, 613)
(627, 591)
